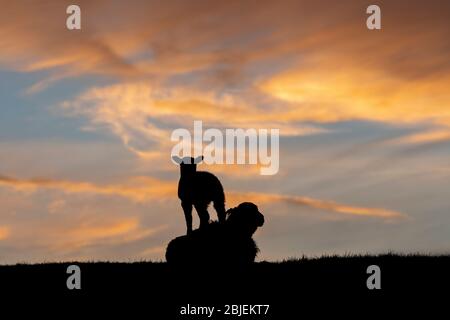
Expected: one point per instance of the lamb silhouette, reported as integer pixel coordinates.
(228, 243)
(199, 189)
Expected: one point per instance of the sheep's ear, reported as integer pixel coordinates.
(177, 159)
(198, 159)
(260, 219)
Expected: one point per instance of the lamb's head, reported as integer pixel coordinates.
(245, 219)
(187, 164)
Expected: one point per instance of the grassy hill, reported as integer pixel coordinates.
(285, 286)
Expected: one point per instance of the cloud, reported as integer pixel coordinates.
(270, 66)
(56, 206)
(144, 117)
(146, 189)
(87, 232)
(151, 252)
(95, 232)
(87, 227)
(326, 66)
(326, 205)
(178, 37)
(138, 189)
(429, 136)
(332, 94)
(4, 232)
(34, 38)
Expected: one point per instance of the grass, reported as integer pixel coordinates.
(285, 285)
(349, 268)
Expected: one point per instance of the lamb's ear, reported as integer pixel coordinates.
(198, 159)
(177, 159)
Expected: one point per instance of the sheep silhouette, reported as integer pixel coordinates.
(199, 189)
(228, 243)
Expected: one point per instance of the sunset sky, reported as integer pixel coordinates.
(86, 118)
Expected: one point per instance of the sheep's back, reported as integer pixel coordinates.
(203, 186)
(212, 245)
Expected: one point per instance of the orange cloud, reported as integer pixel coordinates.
(34, 38)
(334, 94)
(4, 232)
(145, 189)
(326, 205)
(176, 34)
(106, 230)
(138, 189)
(327, 66)
(429, 136)
(135, 111)
(157, 251)
(92, 231)
(333, 58)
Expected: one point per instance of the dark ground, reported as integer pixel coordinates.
(327, 285)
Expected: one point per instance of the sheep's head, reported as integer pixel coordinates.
(245, 219)
(187, 164)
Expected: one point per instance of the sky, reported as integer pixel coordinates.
(86, 118)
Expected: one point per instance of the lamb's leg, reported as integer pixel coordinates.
(202, 210)
(187, 208)
(220, 209)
